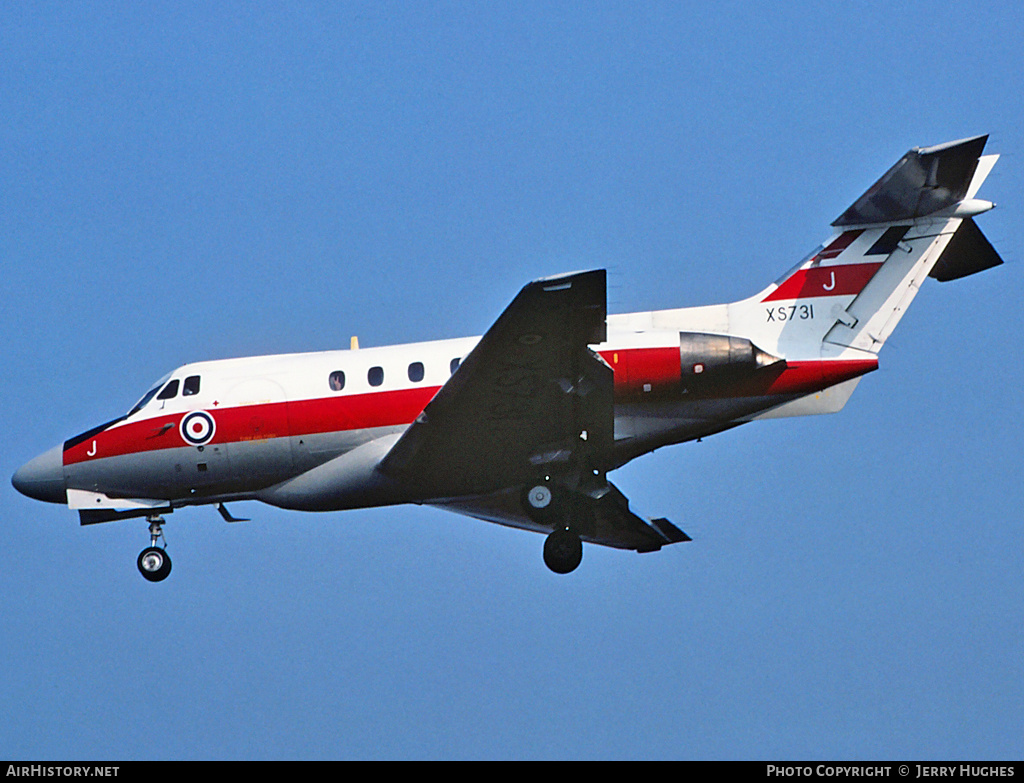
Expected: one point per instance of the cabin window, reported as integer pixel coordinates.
(337, 380)
(191, 386)
(416, 372)
(170, 391)
(375, 376)
(455, 365)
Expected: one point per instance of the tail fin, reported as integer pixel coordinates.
(915, 222)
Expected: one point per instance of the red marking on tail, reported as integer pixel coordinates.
(825, 281)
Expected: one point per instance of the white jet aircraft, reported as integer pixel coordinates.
(522, 426)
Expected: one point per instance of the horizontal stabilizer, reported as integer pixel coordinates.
(967, 252)
(924, 181)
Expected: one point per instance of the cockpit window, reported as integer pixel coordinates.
(191, 386)
(142, 403)
(170, 391)
(148, 396)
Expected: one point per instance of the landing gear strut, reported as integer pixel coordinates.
(153, 562)
(551, 504)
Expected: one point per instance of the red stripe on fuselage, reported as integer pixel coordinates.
(799, 377)
(645, 370)
(633, 368)
(260, 422)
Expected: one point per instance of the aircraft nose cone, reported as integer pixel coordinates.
(42, 478)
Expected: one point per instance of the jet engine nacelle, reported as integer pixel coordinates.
(707, 360)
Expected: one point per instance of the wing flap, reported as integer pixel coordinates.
(617, 526)
(610, 522)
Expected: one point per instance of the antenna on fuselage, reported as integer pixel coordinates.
(354, 344)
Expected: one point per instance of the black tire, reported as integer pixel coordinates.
(563, 551)
(154, 564)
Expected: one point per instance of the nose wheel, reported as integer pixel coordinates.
(154, 563)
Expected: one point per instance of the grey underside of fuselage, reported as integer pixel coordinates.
(643, 427)
(191, 475)
(336, 470)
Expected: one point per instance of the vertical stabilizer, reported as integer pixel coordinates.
(914, 222)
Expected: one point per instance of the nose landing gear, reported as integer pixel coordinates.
(154, 563)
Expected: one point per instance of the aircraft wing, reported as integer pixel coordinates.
(529, 399)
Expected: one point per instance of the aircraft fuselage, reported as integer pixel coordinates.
(233, 429)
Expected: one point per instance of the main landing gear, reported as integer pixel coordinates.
(549, 504)
(563, 551)
(154, 563)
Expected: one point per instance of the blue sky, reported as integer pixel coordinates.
(197, 181)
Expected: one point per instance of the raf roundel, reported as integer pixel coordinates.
(197, 428)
